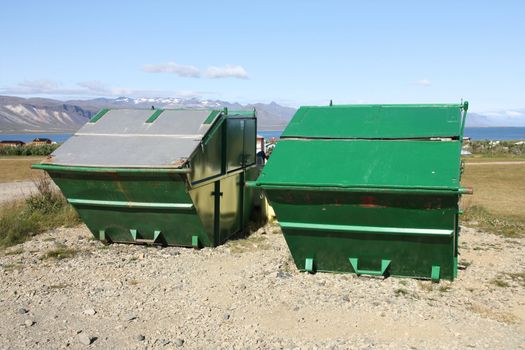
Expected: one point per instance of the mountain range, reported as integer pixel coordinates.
(33, 115)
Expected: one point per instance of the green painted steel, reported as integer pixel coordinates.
(212, 116)
(365, 163)
(195, 204)
(378, 121)
(370, 189)
(154, 116)
(99, 115)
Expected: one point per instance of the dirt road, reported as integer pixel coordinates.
(14, 190)
(247, 294)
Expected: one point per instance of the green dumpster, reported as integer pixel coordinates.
(171, 177)
(370, 189)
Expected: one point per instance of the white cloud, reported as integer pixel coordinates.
(187, 71)
(90, 89)
(171, 67)
(424, 82)
(93, 85)
(513, 113)
(228, 71)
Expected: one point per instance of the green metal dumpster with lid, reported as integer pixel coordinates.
(172, 177)
(370, 189)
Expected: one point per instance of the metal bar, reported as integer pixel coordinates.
(124, 204)
(214, 178)
(442, 105)
(154, 116)
(321, 138)
(217, 212)
(211, 132)
(175, 136)
(212, 116)
(368, 229)
(99, 115)
(332, 188)
(57, 167)
(464, 118)
(466, 190)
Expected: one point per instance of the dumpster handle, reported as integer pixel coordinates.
(466, 190)
(385, 264)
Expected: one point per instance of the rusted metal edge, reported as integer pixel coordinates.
(66, 168)
(332, 188)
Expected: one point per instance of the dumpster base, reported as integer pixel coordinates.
(375, 254)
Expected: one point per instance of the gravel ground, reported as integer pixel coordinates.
(247, 294)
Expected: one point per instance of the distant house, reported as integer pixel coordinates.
(9, 143)
(41, 141)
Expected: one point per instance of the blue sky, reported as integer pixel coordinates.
(293, 52)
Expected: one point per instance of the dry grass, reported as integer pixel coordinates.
(498, 203)
(60, 252)
(251, 243)
(46, 209)
(487, 312)
(18, 168)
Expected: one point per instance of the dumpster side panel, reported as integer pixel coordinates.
(415, 232)
(231, 205)
(364, 163)
(207, 159)
(235, 147)
(130, 208)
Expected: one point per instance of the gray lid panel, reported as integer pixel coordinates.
(122, 138)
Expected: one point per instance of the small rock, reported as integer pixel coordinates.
(226, 317)
(90, 312)
(281, 274)
(164, 342)
(179, 342)
(29, 323)
(296, 308)
(346, 298)
(85, 339)
(140, 337)
(22, 311)
(129, 317)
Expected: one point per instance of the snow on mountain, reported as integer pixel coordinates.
(46, 115)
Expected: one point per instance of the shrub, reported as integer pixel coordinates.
(43, 210)
(29, 150)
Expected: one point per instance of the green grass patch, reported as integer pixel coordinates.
(479, 217)
(44, 210)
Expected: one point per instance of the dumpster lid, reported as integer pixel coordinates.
(415, 165)
(378, 121)
(136, 138)
(415, 147)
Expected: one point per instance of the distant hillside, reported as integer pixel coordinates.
(32, 115)
(21, 115)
